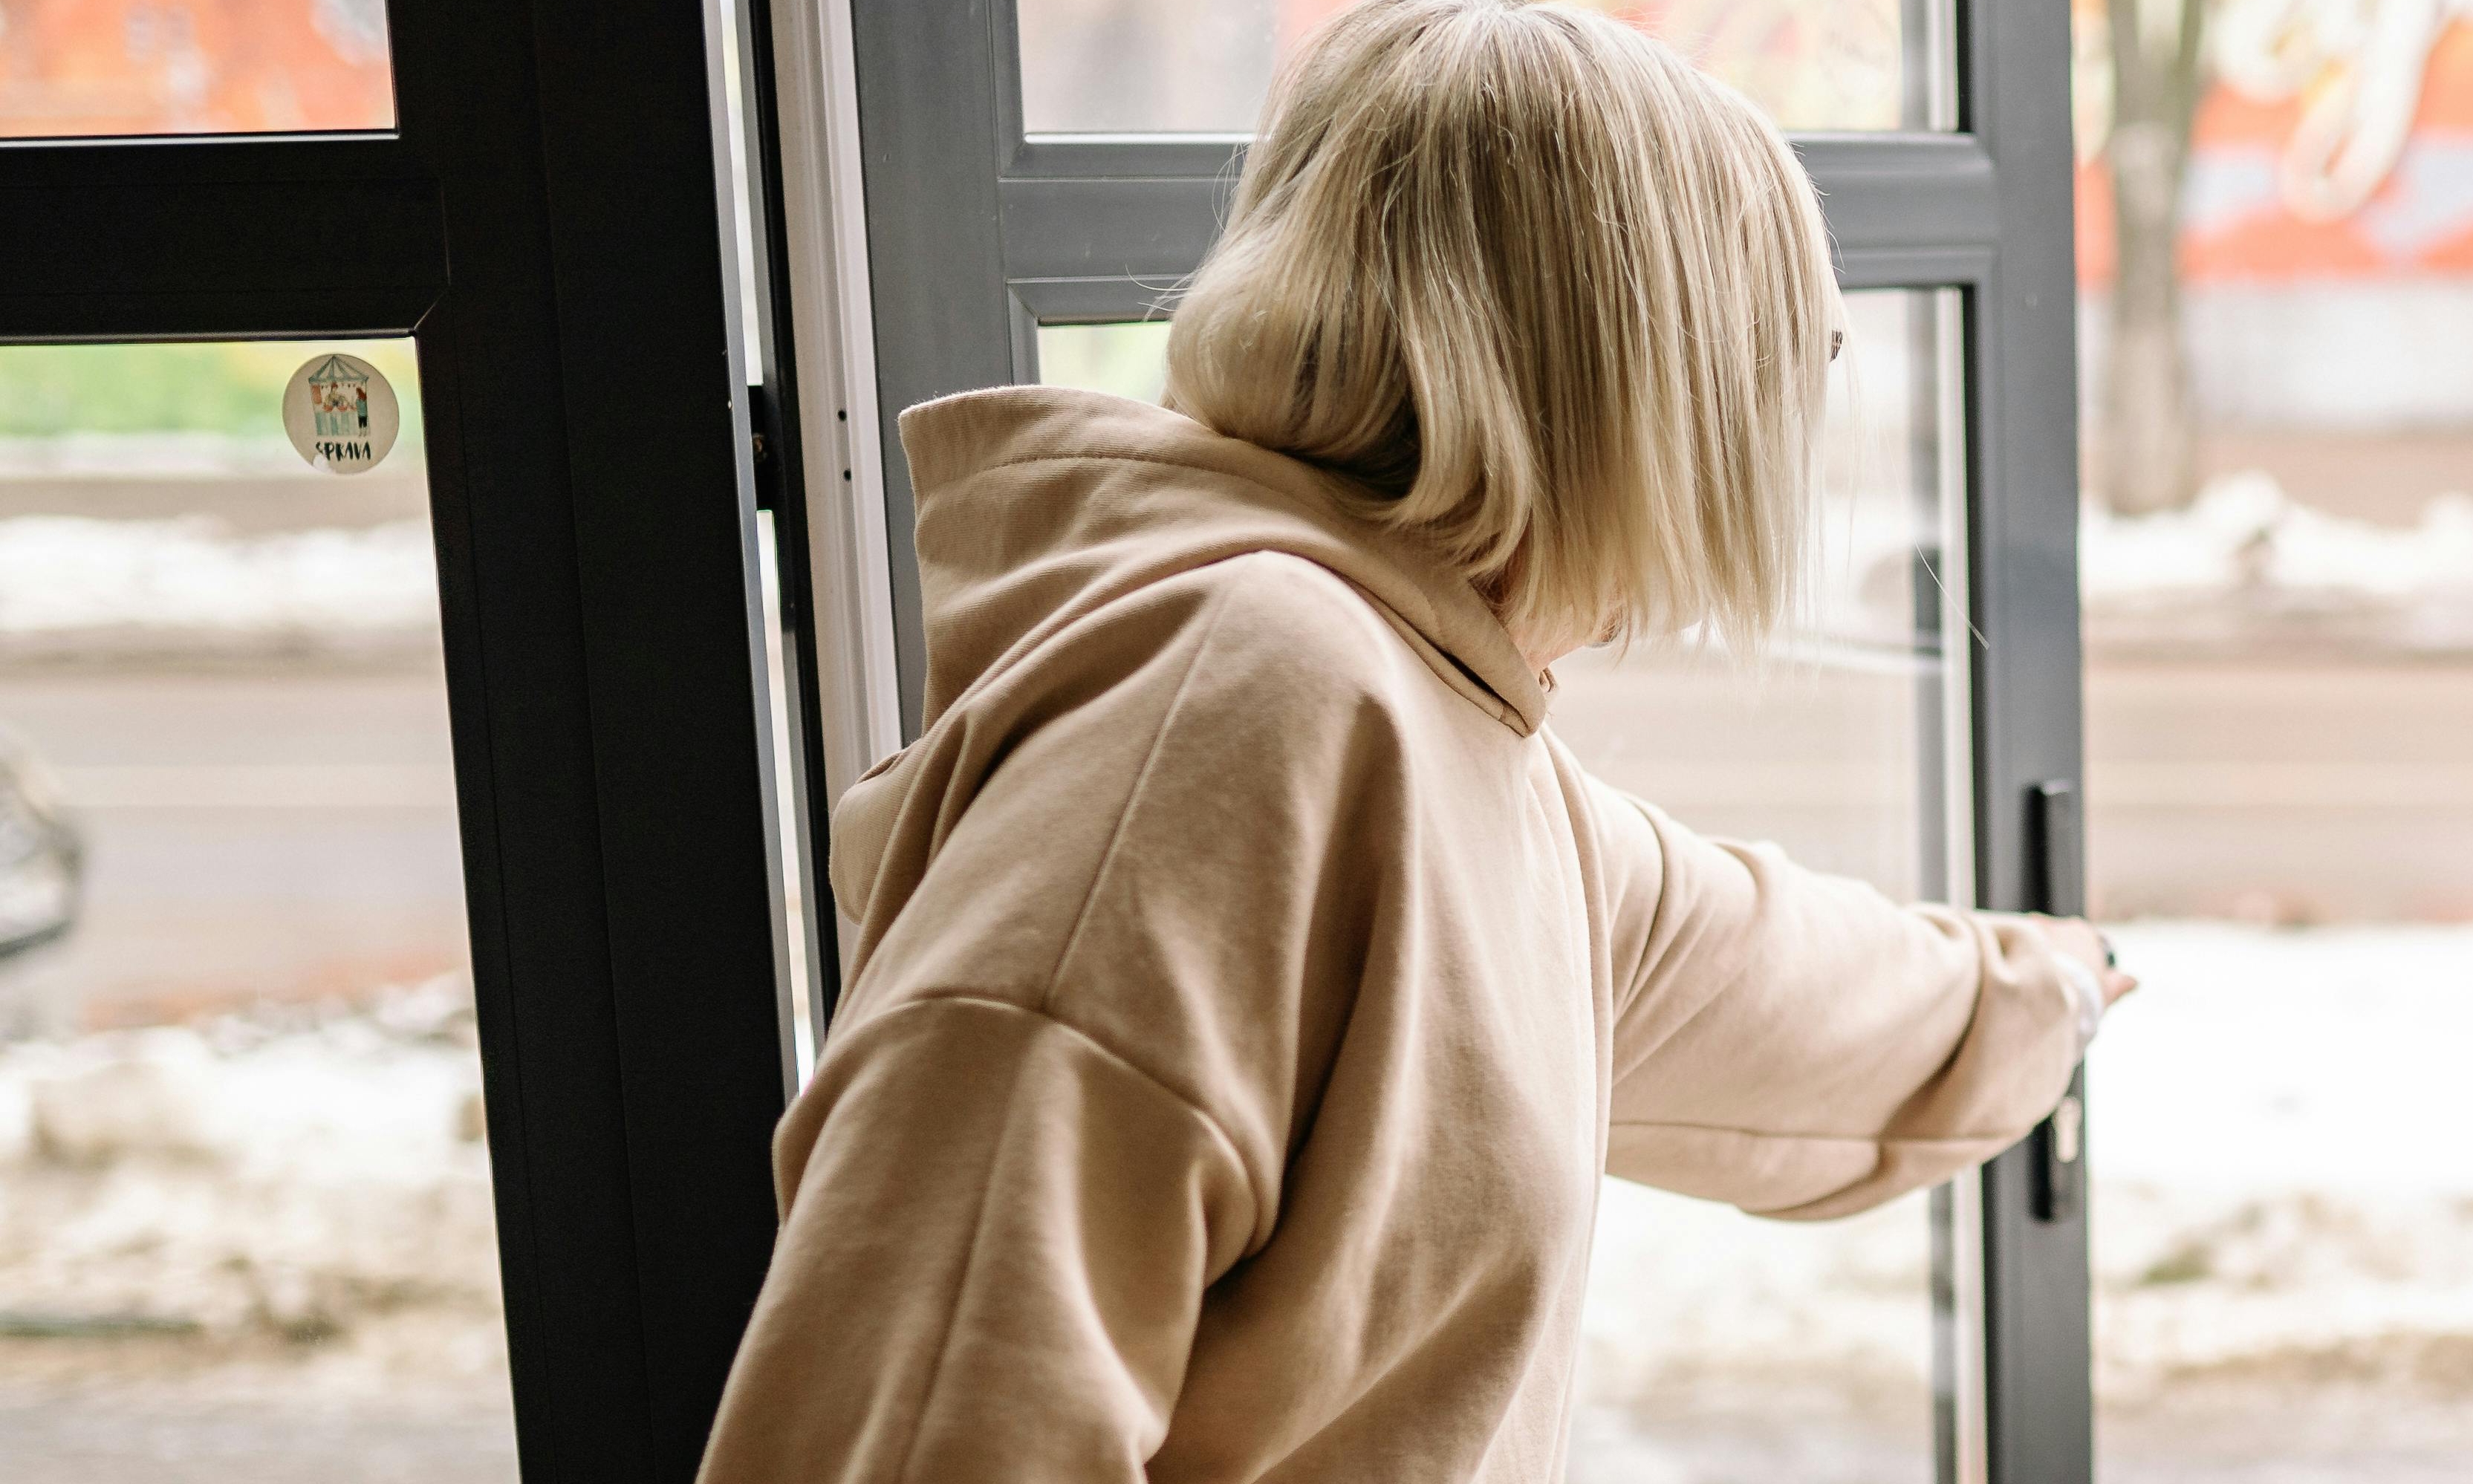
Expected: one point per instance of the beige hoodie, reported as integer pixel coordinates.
(1249, 991)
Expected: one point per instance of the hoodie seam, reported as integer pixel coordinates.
(1121, 457)
(964, 997)
(1133, 800)
(1648, 950)
(979, 1239)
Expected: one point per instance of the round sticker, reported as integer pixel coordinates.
(340, 413)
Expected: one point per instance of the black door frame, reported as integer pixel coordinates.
(543, 220)
(1023, 230)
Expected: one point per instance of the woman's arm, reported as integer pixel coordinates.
(993, 1263)
(1796, 1045)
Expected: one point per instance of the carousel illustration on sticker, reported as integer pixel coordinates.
(340, 414)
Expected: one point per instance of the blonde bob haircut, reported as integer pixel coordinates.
(1543, 293)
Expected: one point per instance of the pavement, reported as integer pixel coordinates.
(251, 832)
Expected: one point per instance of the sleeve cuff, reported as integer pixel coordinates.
(2086, 998)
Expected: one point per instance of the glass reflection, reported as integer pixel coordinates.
(1719, 1347)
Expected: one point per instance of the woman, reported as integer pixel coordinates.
(1249, 988)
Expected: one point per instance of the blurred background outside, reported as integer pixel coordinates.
(244, 1210)
(2275, 250)
(246, 1228)
(71, 68)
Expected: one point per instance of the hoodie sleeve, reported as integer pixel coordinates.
(1060, 1089)
(1796, 1045)
(1028, 1315)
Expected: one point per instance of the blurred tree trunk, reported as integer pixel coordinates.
(2148, 450)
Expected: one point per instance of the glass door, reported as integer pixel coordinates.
(390, 1000)
(1717, 1346)
(1923, 734)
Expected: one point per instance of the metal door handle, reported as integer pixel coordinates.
(2054, 884)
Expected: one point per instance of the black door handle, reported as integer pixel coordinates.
(2055, 884)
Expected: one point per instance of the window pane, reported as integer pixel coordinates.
(1146, 66)
(1717, 1346)
(1126, 360)
(86, 68)
(248, 1220)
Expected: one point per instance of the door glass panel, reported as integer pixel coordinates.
(1126, 360)
(1718, 1347)
(246, 1219)
(88, 69)
(1167, 66)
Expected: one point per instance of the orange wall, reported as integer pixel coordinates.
(2419, 223)
(71, 67)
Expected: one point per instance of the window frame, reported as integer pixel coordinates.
(542, 223)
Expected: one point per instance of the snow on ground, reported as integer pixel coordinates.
(2243, 531)
(2283, 1244)
(2328, 1059)
(2279, 1119)
(70, 575)
(252, 1186)
(2277, 1123)
(2245, 555)
(159, 455)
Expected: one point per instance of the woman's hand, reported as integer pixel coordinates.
(2077, 939)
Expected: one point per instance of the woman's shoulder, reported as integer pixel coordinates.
(1299, 600)
(1282, 624)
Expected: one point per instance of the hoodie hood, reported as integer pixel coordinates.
(1039, 505)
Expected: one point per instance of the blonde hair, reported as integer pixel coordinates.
(1543, 293)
